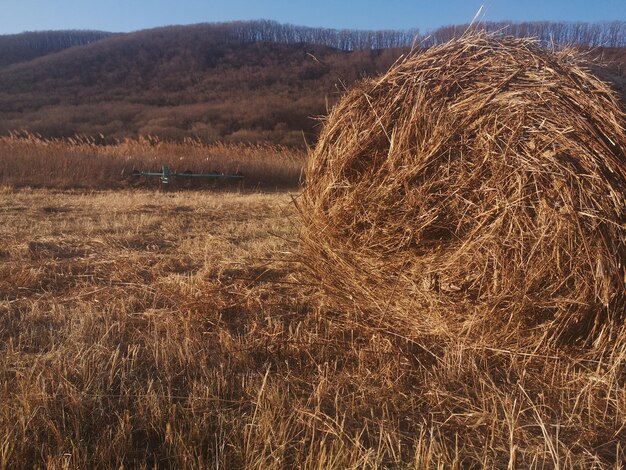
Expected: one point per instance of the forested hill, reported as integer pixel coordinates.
(200, 80)
(15, 48)
(242, 81)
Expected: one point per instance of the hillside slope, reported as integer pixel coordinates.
(180, 81)
(16, 48)
(211, 81)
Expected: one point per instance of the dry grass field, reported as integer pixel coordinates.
(144, 329)
(28, 160)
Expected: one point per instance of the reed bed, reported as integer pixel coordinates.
(86, 162)
(476, 190)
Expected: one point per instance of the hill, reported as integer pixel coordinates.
(181, 81)
(16, 48)
(236, 82)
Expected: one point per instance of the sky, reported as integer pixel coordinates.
(130, 15)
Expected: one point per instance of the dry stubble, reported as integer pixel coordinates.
(145, 329)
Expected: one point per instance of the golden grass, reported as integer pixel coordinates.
(83, 162)
(173, 330)
(476, 190)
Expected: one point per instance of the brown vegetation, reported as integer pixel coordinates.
(16, 48)
(181, 82)
(180, 329)
(168, 330)
(235, 82)
(476, 190)
(82, 162)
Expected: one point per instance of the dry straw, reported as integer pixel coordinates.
(475, 190)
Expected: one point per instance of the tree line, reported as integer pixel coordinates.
(26, 46)
(602, 34)
(344, 39)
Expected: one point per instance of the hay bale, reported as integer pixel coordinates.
(477, 188)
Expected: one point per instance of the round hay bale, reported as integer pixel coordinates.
(477, 188)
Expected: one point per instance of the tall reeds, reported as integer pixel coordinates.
(83, 162)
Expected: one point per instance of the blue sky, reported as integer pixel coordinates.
(130, 15)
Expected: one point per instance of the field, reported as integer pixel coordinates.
(446, 290)
(28, 160)
(147, 329)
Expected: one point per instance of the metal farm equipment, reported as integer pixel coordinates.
(167, 176)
